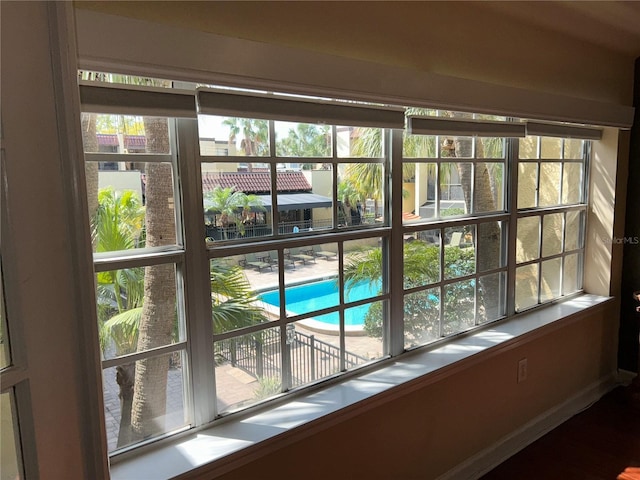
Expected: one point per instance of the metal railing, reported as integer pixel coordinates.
(259, 355)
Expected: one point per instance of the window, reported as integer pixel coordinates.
(262, 245)
(139, 298)
(551, 215)
(454, 275)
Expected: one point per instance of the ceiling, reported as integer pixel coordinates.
(614, 25)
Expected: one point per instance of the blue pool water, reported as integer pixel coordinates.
(324, 294)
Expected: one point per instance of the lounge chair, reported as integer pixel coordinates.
(303, 257)
(286, 255)
(251, 261)
(326, 254)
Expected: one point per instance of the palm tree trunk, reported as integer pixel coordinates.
(125, 375)
(158, 313)
(488, 236)
(90, 142)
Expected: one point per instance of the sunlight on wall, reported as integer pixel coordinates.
(600, 219)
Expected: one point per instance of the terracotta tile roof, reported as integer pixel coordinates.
(255, 182)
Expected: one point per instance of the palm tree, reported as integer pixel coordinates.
(158, 311)
(117, 225)
(306, 141)
(248, 203)
(118, 221)
(421, 266)
(232, 299)
(228, 202)
(255, 135)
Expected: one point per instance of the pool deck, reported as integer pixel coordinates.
(322, 268)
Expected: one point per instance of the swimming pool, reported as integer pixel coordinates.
(308, 297)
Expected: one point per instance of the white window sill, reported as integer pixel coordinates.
(232, 443)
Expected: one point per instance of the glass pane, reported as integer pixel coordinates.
(455, 180)
(304, 201)
(106, 133)
(359, 142)
(144, 399)
(315, 355)
(487, 147)
(313, 284)
(550, 147)
(549, 193)
(459, 252)
(237, 200)
(421, 265)
(573, 231)
(235, 284)
(573, 149)
(362, 269)
(367, 344)
(302, 140)
(528, 148)
(421, 317)
(492, 297)
(137, 309)
(528, 239)
(248, 369)
(550, 285)
(456, 147)
(489, 187)
(360, 194)
(552, 234)
(419, 146)
(421, 193)
(572, 280)
(459, 307)
(527, 185)
(10, 455)
(490, 246)
(231, 136)
(526, 286)
(131, 208)
(572, 183)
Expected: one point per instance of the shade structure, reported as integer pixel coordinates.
(296, 201)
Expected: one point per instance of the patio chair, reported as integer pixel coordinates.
(252, 261)
(288, 260)
(302, 257)
(326, 254)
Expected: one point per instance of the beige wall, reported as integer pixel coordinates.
(462, 39)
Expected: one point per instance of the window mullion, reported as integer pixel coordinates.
(197, 294)
(512, 208)
(394, 248)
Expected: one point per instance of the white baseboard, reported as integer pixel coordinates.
(489, 458)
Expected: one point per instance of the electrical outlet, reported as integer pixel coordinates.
(522, 370)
